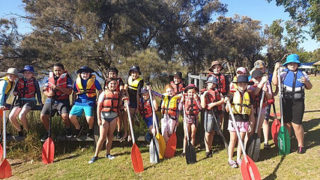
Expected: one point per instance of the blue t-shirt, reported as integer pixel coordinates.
(83, 99)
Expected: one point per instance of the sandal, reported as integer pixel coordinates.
(233, 164)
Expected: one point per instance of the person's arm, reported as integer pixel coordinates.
(275, 74)
(218, 103)
(99, 108)
(203, 100)
(305, 80)
(196, 97)
(3, 86)
(155, 105)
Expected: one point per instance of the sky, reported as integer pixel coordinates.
(256, 9)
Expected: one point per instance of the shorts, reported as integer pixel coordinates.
(268, 109)
(211, 122)
(293, 110)
(167, 125)
(62, 107)
(25, 103)
(191, 119)
(109, 116)
(148, 121)
(242, 126)
(133, 104)
(79, 109)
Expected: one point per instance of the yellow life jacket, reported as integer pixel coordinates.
(241, 103)
(169, 106)
(90, 89)
(133, 84)
(9, 86)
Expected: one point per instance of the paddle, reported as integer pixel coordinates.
(5, 168)
(162, 142)
(253, 144)
(48, 145)
(249, 169)
(219, 131)
(136, 159)
(171, 145)
(191, 156)
(275, 128)
(283, 136)
(154, 146)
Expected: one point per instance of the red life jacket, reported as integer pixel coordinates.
(26, 88)
(111, 101)
(90, 89)
(213, 96)
(257, 99)
(146, 110)
(222, 84)
(60, 82)
(190, 106)
(178, 88)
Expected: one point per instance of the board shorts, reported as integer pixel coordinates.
(109, 116)
(293, 110)
(62, 107)
(77, 110)
(191, 119)
(167, 125)
(25, 103)
(148, 121)
(211, 121)
(242, 126)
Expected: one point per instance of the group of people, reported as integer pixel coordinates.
(110, 103)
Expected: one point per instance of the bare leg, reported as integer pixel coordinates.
(65, 118)
(232, 143)
(103, 134)
(265, 127)
(239, 150)
(125, 124)
(90, 121)
(23, 116)
(299, 132)
(193, 134)
(112, 127)
(45, 121)
(208, 140)
(74, 121)
(13, 118)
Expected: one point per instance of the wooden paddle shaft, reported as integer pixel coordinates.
(130, 123)
(4, 134)
(260, 110)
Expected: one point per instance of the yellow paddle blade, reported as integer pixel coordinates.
(162, 145)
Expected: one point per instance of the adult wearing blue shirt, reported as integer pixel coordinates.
(85, 88)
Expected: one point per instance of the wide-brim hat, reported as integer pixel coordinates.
(27, 68)
(85, 69)
(134, 69)
(213, 63)
(292, 58)
(243, 79)
(191, 86)
(12, 71)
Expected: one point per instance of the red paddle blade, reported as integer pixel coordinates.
(136, 159)
(48, 151)
(1, 151)
(275, 115)
(5, 169)
(249, 170)
(275, 128)
(171, 146)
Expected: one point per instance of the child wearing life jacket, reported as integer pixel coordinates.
(113, 73)
(260, 84)
(109, 103)
(190, 104)
(242, 109)
(146, 110)
(211, 102)
(293, 82)
(169, 110)
(26, 90)
(85, 88)
(177, 83)
(135, 84)
(57, 88)
(7, 84)
(240, 71)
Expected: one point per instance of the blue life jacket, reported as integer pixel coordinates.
(292, 87)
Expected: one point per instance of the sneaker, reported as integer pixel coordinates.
(267, 146)
(301, 150)
(44, 137)
(209, 154)
(68, 133)
(233, 164)
(118, 136)
(77, 132)
(90, 133)
(92, 160)
(109, 156)
(239, 161)
(129, 138)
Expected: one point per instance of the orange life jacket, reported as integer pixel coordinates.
(213, 96)
(111, 101)
(90, 88)
(146, 109)
(60, 82)
(222, 85)
(190, 106)
(26, 88)
(178, 88)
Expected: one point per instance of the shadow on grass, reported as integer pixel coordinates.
(310, 111)
(273, 175)
(68, 157)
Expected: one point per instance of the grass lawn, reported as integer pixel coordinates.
(74, 165)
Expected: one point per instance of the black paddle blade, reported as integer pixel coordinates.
(191, 157)
(253, 147)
